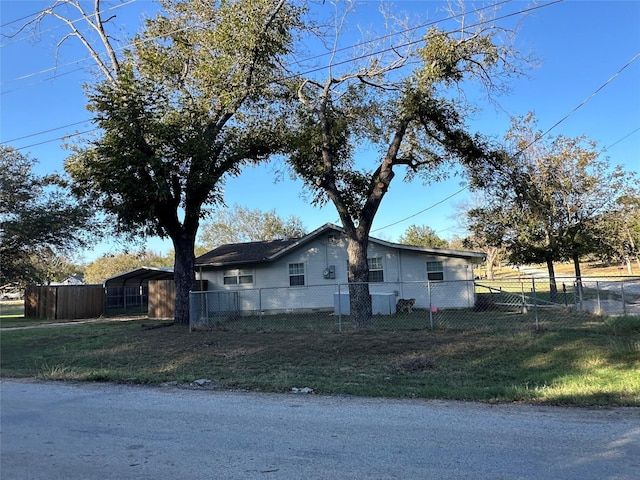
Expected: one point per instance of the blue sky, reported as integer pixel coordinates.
(581, 45)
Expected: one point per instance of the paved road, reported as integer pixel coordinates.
(99, 431)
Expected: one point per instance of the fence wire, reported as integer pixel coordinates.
(525, 304)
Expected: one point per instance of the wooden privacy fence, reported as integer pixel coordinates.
(162, 297)
(67, 302)
(162, 294)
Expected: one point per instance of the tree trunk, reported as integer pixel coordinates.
(183, 275)
(576, 267)
(553, 287)
(358, 276)
(492, 255)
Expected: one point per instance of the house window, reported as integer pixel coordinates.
(296, 274)
(435, 271)
(238, 277)
(375, 269)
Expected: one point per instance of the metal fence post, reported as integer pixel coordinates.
(599, 310)
(430, 305)
(624, 305)
(339, 309)
(260, 306)
(535, 302)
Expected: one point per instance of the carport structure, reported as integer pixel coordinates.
(128, 292)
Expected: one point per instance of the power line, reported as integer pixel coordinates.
(47, 70)
(423, 210)
(377, 39)
(57, 139)
(519, 12)
(623, 138)
(41, 13)
(408, 44)
(615, 75)
(23, 18)
(45, 131)
(585, 101)
(407, 30)
(466, 187)
(54, 77)
(637, 55)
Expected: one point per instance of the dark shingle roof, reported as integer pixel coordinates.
(256, 252)
(250, 252)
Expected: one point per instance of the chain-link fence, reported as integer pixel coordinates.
(529, 304)
(609, 296)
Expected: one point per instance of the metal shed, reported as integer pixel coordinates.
(128, 292)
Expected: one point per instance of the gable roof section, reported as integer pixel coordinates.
(249, 252)
(267, 251)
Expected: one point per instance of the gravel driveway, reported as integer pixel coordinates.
(102, 431)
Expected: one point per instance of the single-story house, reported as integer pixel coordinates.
(76, 279)
(311, 273)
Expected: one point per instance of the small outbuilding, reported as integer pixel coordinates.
(129, 291)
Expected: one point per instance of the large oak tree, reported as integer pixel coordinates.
(400, 103)
(186, 105)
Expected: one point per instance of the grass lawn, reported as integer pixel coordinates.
(597, 364)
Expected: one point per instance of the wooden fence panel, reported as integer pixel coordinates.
(64, 302)
(40, 302)
(162, 297)
(80, 301)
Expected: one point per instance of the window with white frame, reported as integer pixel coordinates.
(238, 276)
(435, 271)
(376, 273)
(296, 274)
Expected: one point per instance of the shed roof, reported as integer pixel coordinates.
(139, 276)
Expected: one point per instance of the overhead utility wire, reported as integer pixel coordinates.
(536, 139)
(349, 47)
(413, 42)
(59, 138)
(423, 210)
(406, 30)
(423, 25)
(37, 14)
(23, 18)
(466, 187)
(596, 91)
(623, 138)
(55, 77)
(56, 67)
(45, 131)
(351, 60)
